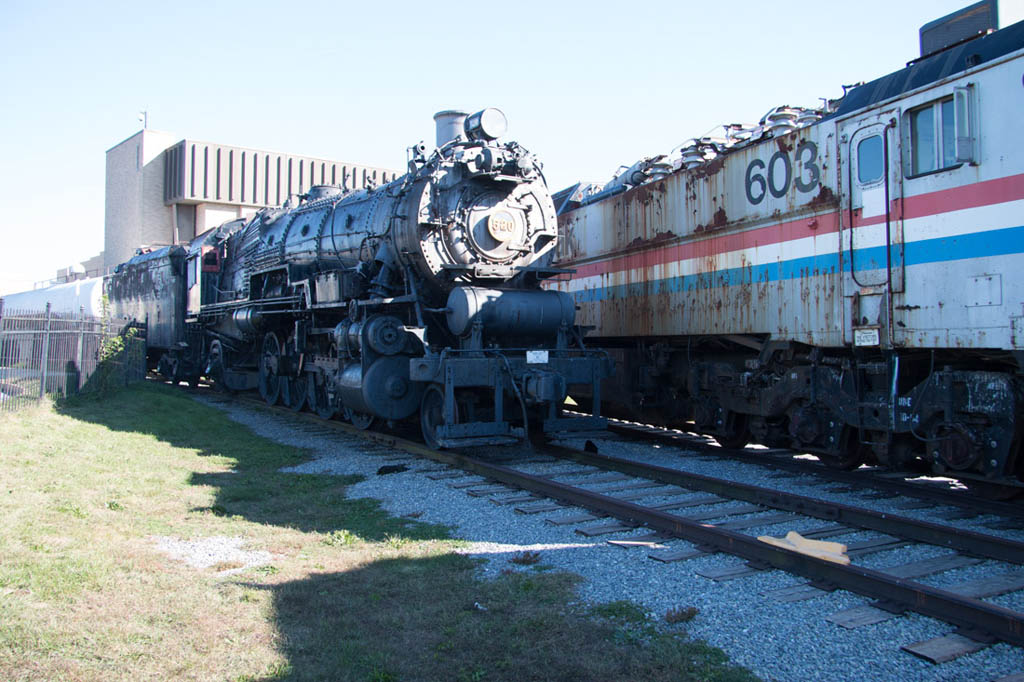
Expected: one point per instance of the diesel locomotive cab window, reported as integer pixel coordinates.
(932, 137)
(870, 160)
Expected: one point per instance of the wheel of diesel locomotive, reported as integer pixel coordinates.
(432, 414)
(270, 381)
(997, 490)
(730, 429)
(954, 447)
(318, 397)
(849, 455)
(360, 420)
(734, 433)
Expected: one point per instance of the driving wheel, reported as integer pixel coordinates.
(270, 361)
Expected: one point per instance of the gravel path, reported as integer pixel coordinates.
(778, 641)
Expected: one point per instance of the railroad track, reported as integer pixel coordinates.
(919, 486)
(711, 530)
(711, 514)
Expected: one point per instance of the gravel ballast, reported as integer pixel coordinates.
(778, 641)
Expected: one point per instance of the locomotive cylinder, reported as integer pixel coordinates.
(508, 312)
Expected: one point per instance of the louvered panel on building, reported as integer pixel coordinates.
(198, 172)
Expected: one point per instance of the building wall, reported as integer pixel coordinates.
(212, 215)
(166, 191)
(134, 207)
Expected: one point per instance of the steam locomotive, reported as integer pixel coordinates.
(845, 280)
(420, 295)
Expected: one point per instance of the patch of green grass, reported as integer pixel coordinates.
(623, 611)
(66, 507)
(352, 594)
(340, 538)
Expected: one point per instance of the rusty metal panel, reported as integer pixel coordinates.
(783, 176)
(745, 244)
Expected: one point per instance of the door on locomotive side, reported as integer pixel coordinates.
(871, 237)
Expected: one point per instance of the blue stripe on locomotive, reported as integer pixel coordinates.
(1002, 242)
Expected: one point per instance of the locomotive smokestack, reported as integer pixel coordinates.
(449, 125)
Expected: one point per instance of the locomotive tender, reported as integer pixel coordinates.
(420, 295)
(846, 280)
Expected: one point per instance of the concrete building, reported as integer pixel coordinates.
(90, 267)
(163, 190)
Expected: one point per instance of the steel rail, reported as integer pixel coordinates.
(972, 503)
(970, 542)
(974, 615)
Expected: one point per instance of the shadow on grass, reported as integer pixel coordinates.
(431, 619)
(411, 617)
(254, 488)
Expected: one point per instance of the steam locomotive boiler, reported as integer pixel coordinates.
(422, 294)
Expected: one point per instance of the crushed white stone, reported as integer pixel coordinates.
(213, 551)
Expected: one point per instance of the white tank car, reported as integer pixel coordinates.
(68, 298)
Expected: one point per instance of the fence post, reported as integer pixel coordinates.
(4, 351)
(46, 354)
(125, 358)
(80, 356)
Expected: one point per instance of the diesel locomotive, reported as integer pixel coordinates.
(846, 280)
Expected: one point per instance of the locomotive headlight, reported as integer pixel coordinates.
(489, 124)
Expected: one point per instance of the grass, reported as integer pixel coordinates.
(352, 593)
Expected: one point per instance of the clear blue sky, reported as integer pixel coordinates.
(586, 86)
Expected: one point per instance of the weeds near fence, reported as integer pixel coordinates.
(115, 365)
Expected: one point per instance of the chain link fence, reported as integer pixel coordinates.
(59, 354)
